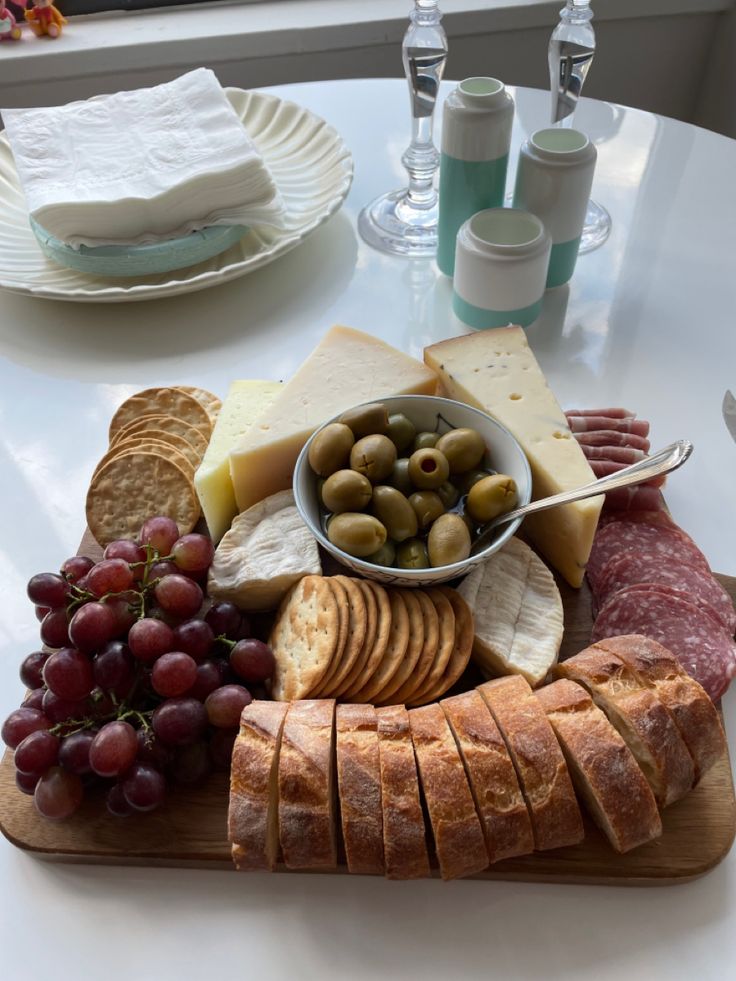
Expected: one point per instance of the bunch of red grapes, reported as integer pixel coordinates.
(143, 684)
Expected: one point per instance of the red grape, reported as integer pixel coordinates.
(74, 752)
(100, 704)
(244, 630)
(225, 704)
(114, 668)
(48, 589)
(37, 752)
(179, 721)
(193, 553)
(76, 567)
(26, 782)
(131, 552)
(149, 638)
(221, 748)
(252, 660)
(224, 618)
(22, 722)
(116, 803)
(173, 674)
(58, 794)
(209, 677)
(195, 638)
(68, 674)
(34, 699)
(125, 611)
(191, 764)
(160, 532)
(59, 710)
(151, 750)
(109, 576)
(178, 595)
(41, 612)
(91, 626)
(160, 569)
(31, 669)
(113, 749)
(55, 629)
(144, 787)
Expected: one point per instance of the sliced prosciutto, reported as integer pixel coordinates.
(609, 437)
(605, 413)
(589, 424)
(606, 468)
(640, 499)
(616, 454)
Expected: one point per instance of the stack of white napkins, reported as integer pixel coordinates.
(142, 166)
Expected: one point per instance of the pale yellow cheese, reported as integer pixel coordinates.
(346, 368)
(245, 401)
(496, 371)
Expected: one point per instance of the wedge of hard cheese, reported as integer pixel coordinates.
(346, 368)
(496, 371)
(245, 401)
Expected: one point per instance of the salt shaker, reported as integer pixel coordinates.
(476, 135)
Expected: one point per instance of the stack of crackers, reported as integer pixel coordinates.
(157, 440)
(354, 640)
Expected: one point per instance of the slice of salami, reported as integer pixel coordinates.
(589, 424)
(605, 468)
(609, 437)
(617, 454)
(703, 648)
(657, 515)
(606, 413)
(634, 500)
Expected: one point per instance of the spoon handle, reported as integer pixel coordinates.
(666, 460)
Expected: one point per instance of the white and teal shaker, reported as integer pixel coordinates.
(476, 135)
(553, 181)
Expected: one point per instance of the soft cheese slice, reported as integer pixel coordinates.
(346, 368)
(245, 401)
(496, 371)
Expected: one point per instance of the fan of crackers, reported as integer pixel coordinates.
(354, 640)
(157, 440)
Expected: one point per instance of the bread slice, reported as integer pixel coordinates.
(498, 798)
(645, 724)
(359, 786)
(540, 765)
(404, 835)
(604, 772)
(458, 836)
(694, 713)
(253, 811)
(306, 786)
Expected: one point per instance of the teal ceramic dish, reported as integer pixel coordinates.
(140, 260)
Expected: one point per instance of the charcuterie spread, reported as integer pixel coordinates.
(384, 700)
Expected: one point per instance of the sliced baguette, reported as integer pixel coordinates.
(359, 786)
(645, 724)
(306, 786)
(404, 835)
(604, 772)
(492, 777)
(253, 809)
(540, 765)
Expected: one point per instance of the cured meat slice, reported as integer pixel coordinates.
(703, 648)
(634, 570)
(607, 413)
(634, 500)
(609, 437)
(617, 454)
(644, 516)
(605, 468)
(589, 424)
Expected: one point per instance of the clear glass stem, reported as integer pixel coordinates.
(421, 160)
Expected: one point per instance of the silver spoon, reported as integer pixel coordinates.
(666, 460)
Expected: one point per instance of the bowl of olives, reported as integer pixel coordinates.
(398, 490)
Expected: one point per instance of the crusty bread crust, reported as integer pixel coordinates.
(359, 785)
(692, 709)
(603, 769)
(306, 786)
(540, 765)
(492, 777)
(404, 836)
(458, 835)
(643, 721)
(253, 809)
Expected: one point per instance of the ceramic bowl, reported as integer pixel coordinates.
(428, 413)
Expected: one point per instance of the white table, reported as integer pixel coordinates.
(647, 323)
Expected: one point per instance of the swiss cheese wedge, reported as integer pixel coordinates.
(346, 368)
(496, 371)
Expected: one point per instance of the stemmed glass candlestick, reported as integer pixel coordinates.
(404, 222)
(571, 50)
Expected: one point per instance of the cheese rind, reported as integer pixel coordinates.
(346, 368)
(496, 371)
(245, 401)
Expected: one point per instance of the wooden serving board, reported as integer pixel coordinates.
(190, 830)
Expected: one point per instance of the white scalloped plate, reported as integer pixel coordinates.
(308, 160)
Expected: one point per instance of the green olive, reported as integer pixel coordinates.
(427, 506)
(449, 494)
(365, 420)
(399, 477)
(330, 449)
(373, 456)
(428, 468)
(357, 534)
(346, 490)
(466, 480)
(386, 554)
(491, 497)
(464, 449)
(320, 488)
(395, 513)
(412, 554)
(401, 431)
(448, 541)
(425, 440)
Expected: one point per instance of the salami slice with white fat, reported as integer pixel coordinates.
(618, 413)
(704, 649)
(617, 454)
(588, 424)
(609, 437)
(639, 499)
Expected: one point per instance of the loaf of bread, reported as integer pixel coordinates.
(458, 836)
(540, 765)
(359, 786)
(647, 727)
(604, 772)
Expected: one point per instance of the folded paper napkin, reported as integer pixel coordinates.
(141, 166)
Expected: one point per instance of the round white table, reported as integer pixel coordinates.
(646, 322)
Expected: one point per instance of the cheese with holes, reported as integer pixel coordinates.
(496, 371)
(346, 368)
(245, 401)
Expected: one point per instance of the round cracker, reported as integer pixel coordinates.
(303, 638)
(343, 622)
(181, 445)
(211, 403)
(383, 633)
(166, 401)
(371, 625)
(357, 629)
(429, 650)
(396, 648)
(135, 486)
(464, 634)
(146, 445)
(445, 645)
(413, 648)
(169, 424)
